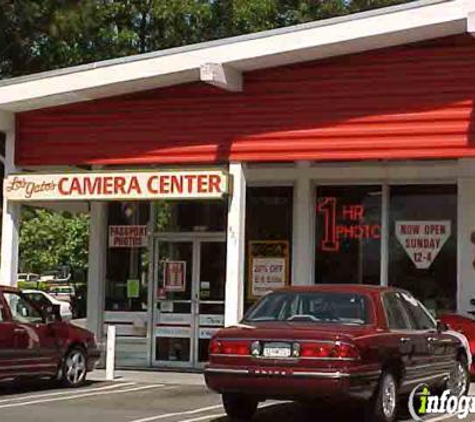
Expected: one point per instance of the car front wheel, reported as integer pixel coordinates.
(459, 380)
(74, 368)
(383, 405)
(239, 407)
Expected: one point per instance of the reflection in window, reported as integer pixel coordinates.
(22, 310)
(268, 218)
(423, 243)
(189, 216)
(127, 263)
(348, 241)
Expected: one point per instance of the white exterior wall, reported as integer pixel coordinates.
(11, 211)
(96, 277)
(303, 233)
(466, 226)
(234, 290)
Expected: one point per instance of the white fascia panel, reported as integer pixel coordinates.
(221, 76)
(471, 23)
(276, 49)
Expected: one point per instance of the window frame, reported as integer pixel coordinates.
(415, 324)
(407, 319)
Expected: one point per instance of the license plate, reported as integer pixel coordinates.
(276, 351)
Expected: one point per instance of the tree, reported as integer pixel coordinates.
(51, 239)
(39, 35)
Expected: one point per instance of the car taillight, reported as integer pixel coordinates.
(215, 347)
(328, 350)
(229, 347)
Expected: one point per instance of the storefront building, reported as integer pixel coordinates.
(339, 151)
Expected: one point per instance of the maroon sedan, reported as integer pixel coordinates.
(334, 342)
(35, 342)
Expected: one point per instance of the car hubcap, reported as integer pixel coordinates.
(75, 367)
(389, 396)
(458, 380)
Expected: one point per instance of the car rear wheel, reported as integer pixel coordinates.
(239, 407)
(383, 405)
(74, 368)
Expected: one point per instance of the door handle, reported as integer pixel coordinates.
(431, 339)
(405, 339)
(18, 330)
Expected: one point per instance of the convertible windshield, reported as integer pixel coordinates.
(322, 307)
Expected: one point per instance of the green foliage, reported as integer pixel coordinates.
(51, 239)
(32, 285)
(39, 35)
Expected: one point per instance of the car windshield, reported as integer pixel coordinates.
(321, 307)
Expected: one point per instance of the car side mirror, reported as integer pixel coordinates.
(53, 313)
(441, 326)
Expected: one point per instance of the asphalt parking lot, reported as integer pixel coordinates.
(146, 402)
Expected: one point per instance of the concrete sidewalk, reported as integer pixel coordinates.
(150, 376)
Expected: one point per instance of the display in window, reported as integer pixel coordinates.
(344, 221)
(174, 276)
(422, 255)
(422, 240)
(348, 234)
(269, 266)
(132, 236)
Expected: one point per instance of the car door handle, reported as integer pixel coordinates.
(18, 330)
(405, 339)
(431, 339)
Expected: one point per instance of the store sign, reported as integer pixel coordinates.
(133, 289)
(207, 333)
(422, 240)
(100, 186)
(174, 276)
(352, 227)
(128, 237)
(173, 332)
(268, 266)
(267, 274)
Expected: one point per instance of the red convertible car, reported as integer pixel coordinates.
(34, 342)
(334, 342)
(464, 325)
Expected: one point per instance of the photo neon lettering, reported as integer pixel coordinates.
(354, 230)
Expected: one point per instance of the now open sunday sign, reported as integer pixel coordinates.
(423, 240)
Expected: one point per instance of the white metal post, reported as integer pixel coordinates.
(11, 211)
(303, 238)
(234, 293)
(110, 353)
(96, 278)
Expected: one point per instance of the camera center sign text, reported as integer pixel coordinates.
(103, 186)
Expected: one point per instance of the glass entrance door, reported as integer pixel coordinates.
(188, 299)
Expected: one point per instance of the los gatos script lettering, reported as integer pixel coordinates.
(30, 188)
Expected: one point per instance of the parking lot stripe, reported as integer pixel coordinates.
(69, 391)
(206, 417)
(78, 396)
(218, 415)
(194, 412)
(172, 415)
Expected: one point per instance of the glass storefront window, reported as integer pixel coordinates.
(127, 263)
(348, 240)
(423, 243)
(190, 216)
(268, 230)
